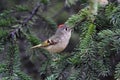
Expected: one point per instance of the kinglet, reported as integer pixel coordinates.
(58, 41)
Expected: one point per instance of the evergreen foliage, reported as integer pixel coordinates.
(96, 57)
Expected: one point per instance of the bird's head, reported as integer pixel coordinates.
(63, 29)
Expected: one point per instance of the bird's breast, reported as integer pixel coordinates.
(60, 46)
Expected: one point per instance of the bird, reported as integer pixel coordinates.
(58, 42)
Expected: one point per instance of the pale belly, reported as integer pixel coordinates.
(60, 46)
(56, 48)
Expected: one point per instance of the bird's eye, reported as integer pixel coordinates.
(66, 29)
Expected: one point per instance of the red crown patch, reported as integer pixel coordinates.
(61, 25)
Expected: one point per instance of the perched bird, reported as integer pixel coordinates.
(58, 41)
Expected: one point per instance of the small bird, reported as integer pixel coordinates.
(58, 42)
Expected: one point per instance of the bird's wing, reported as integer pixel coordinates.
(48, 43)
(51, 41)
(45, 44)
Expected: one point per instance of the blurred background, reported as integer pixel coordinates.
(50, 14)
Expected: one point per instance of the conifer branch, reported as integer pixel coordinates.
(34, 11)
(61, 73)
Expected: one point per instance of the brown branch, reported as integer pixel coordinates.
(34, 11)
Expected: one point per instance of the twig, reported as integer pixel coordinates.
(34, 11)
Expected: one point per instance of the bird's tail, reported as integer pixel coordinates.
(37, 46)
